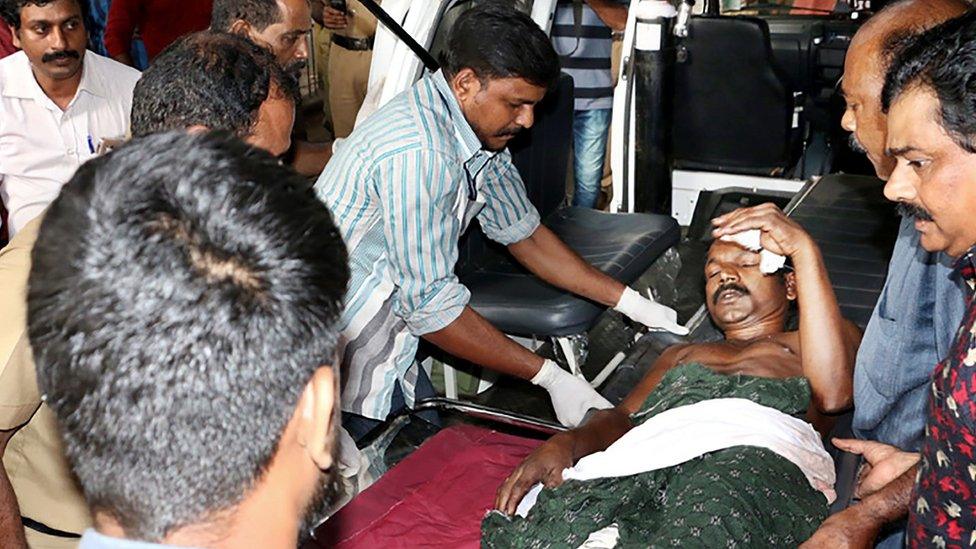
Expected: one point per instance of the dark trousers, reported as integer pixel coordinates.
(359, 426)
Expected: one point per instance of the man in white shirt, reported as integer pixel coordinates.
(58, 104)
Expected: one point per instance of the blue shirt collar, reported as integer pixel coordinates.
(93, 540)
(469, 139)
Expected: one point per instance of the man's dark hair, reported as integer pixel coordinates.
(259, 13)
(183, 291)
(498, 41)
(942, 59)
(212, 79)
(10, 9)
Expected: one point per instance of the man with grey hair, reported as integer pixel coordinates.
(905, 337)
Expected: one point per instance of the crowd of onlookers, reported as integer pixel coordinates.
(178, 304)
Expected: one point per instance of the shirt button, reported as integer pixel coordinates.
(71, 152)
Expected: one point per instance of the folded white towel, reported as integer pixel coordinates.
(681, 434)
(768, 261)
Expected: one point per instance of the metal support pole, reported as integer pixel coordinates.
(654, 87)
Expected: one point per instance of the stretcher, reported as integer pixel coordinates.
(437, 496)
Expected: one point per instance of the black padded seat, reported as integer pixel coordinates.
(733, 106)
(855, 227)
(621, 245)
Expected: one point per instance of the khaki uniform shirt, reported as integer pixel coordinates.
(46, 489)
(362, 22)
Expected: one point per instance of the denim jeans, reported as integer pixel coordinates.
(590, 134)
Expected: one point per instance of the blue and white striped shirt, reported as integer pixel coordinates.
(584, 54)
(403, 188)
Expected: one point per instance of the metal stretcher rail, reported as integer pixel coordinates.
(491, 414)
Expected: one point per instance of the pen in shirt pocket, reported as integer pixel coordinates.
(91, 145)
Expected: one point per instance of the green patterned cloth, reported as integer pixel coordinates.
(738, 497)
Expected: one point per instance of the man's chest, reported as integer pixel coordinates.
(38, 142)
(773, 357)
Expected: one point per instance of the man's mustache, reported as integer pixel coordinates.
(728, 286)
(509, 132)
(295, 68)
(63, 54)
(855, 145)
(908, 210)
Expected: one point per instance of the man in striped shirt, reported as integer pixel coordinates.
(403, 188)
(581, 34)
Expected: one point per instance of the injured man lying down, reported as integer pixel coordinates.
(720, 443)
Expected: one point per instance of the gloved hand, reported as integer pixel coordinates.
(571, 396)
(648, 312)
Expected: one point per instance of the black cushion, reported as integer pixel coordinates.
(733, 107)
(621, 245)
(855, 228)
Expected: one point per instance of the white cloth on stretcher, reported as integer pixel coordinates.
(686, 432)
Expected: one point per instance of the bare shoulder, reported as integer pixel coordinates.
(667, 360)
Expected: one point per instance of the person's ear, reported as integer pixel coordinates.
(789, 279)
(15, 35)
(319, 417)
(465, 84)
(241, 28)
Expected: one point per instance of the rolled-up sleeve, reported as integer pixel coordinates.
(508, 216)
(422, 233)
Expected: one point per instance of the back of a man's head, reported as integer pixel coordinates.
(184, 290)
(210, 79)
(891, 28)
(259, 13)
(498, 41)
(872, 49)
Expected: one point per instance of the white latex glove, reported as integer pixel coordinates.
(571, 396)
(649, 312)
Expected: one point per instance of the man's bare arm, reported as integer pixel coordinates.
(613, 14)
(859, 524)
(552, 260)
(601, 429)
(309, 159)
(474, 339)
(828, 342)
(11, 527)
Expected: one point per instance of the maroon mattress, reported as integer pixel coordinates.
(436, 497)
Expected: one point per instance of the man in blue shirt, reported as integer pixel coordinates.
(922, 304)
(406, 184)
(920, 307)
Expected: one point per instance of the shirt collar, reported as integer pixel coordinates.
(27, 87)
(94, 540)
(966, 267)
(464, 130)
